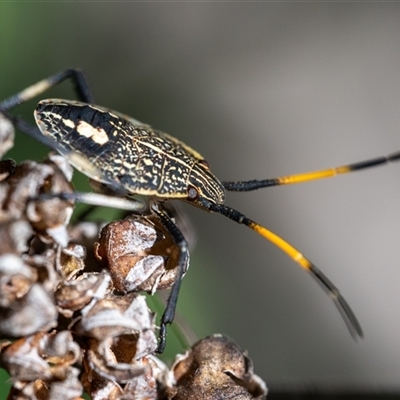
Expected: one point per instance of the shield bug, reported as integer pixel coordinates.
(125, 157)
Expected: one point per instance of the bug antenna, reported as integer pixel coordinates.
(246, 186)
(339, 301)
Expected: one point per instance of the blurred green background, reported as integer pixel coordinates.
(261, 90)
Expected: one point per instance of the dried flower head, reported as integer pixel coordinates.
(139, 254)
(71, 315)
(215, 368)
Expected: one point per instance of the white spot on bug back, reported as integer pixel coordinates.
(69, 123)
(98, 135)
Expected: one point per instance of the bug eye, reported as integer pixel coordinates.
(193, 193)
(205, 163)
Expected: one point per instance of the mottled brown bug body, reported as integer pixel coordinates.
(140, 159)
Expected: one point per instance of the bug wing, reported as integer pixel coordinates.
(158, 164)
(117, 150)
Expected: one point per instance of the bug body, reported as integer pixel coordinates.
(130, 158)
(140, 159)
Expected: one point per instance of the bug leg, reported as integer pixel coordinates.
(341, 304)
(98, 199)
(245, 186)
(76, 75)
(169, 313)
(81, 88)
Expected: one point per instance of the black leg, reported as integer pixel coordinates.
(98, 199)
(78, 78)
(179, 239)
(82, 90)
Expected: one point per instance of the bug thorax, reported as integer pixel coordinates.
(203, 185)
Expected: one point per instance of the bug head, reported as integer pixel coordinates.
(204, 186)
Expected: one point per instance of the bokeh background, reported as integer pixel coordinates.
(261, 90)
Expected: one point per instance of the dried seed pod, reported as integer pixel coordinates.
(72, 260)
(59, 349)
(15, 235)
(98, 387)
(63, 165)
(70, 388)
(20, 193)
(16, 278)
(45, 265)
(36, 390)
(23, 361)
(119, 315)
(41, 366)
(216, 368)
(86, 233)
(102, 358)
(25, 184)
(75, 294)
(139, 254)
(152, 383)
(102, 389)
(41, 356)
(122, 332)
(149, 385)
(34, 312)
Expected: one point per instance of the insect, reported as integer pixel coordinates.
(128, 158)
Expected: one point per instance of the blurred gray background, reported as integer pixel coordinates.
(261, 90)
